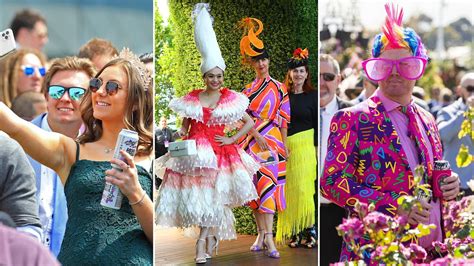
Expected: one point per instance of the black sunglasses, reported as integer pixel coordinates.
(470, 88)
(57, 92)
(111, 86)
(328, 76)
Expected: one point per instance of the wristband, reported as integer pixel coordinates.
(139, 201)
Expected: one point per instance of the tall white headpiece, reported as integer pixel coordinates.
(205, 38)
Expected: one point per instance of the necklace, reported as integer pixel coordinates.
(107, 150)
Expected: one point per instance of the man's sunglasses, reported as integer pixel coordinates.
(57, 92)
(328, 76)
(111, 86)
(470, 88)
(30, 70)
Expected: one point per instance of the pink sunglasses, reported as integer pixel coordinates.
(410, 68)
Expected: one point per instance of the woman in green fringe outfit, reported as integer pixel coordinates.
(298, 220)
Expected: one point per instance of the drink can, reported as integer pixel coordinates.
(128, 141)
(425, 195)
(441, 170)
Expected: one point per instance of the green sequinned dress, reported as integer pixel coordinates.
(97, 235)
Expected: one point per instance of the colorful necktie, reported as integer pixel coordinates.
(420, 143)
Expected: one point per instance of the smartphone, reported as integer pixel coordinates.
(7, 43)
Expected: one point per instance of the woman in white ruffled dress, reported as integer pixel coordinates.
(200, 190)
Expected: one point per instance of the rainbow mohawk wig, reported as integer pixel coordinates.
(394, 36)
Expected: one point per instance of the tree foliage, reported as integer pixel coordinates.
(163, 66)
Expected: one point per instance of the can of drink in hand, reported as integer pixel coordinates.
(128, 141)
(426, 195)
(441, 170)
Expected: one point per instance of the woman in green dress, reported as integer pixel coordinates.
(118, 97)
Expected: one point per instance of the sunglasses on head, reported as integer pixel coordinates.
(111, 86)
(30, 70)
(328, 76)
(410, 68)
(57, 92)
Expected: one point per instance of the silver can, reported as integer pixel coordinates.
(426, 196)
(128, 141)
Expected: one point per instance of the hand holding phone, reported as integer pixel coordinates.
(7, 42)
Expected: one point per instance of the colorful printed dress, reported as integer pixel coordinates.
(270, 109)
(200, 190)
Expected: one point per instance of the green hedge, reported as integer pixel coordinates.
(245, 221)
(287, 25)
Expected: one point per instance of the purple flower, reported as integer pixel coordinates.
(440, 247)
(376, 221)
(352, 228)
(402, 220)
(405, 251)
(379, 252)
(456, 242)
(417, 252)
(441, 261)
(361, 208)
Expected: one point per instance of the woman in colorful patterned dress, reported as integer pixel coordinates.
(298, 220)
(200, 190)
(270, 109)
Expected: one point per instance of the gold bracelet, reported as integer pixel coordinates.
(140, 201)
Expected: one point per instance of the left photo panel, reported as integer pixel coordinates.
(76, 132)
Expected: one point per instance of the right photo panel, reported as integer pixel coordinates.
(396, 109)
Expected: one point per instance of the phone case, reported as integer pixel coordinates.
(7, 42)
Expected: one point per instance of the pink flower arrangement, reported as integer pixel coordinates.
(459, 229)
(387, 236)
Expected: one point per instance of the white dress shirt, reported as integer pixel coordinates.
(46, 195)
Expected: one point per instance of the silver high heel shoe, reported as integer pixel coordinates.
(201, 260)
(215, 247)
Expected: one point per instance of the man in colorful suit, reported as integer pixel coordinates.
(329, 103)
(65, 83)
(372, 148)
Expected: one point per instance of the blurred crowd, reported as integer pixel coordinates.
(48, 92)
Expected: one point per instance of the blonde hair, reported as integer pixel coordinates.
(329, 59)
(95, 47)
(71, 63)
(10, 69)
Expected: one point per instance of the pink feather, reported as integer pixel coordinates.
(394, 19)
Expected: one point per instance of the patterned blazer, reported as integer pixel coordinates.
(365, 160)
